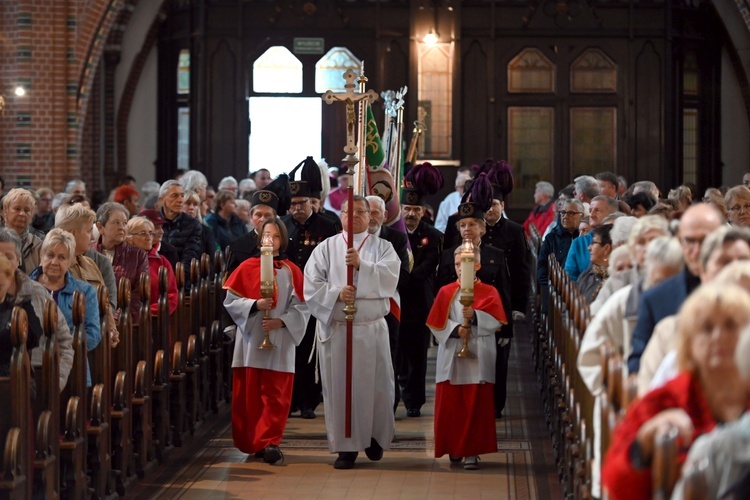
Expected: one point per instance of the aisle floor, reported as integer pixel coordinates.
(523, 467)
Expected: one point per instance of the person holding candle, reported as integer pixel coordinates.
(263, 378)
(464, 402)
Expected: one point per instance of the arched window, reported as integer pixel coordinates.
(435, 97)
(277, 71)
(531, 71)
(592, 72)
(330, 69)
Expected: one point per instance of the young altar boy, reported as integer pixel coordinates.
(464, 401)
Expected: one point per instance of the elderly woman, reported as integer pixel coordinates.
(224, 222)
(141, 233)
(708, 391)
(737, 201)
(593, 278)
(646, 229)
(19, 206)
(79, 221)
(58, 251)
(244, 212)
(127, 261)
(22, 288)
(193, 209)
(615, 322)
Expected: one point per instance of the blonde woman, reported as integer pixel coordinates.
(19, 206)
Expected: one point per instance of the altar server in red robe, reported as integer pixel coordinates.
(464, 402)
(263, 378)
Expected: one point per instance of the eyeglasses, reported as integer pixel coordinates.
(691, 242)
(300, 203)
(570, 214)
(594, 242)
(740, 208)
(358, 211)
(144, 234)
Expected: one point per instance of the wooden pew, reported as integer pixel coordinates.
(183, 371)
(212, 327)
(665, 469)
(73, 447)
(122, 417)
(143, 451)
(15, 430)
(160, 388)
(98, 429)
(46, 405)
(226, 341)
(201, 340)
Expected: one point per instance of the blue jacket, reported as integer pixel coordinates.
(65, 304)
(226, 231)
(656, 304)
(579, 257)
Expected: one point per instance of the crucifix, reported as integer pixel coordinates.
(350, 160)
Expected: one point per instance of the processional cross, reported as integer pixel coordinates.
(350, 97)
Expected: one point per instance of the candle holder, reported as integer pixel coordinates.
(466, 297)
(266, 283)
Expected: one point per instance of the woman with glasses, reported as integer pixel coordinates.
(142, 234)
(737, 201)
(127, 261)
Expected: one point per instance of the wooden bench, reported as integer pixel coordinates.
(122, 417)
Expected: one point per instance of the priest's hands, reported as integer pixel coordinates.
(352, 258)
(272, 324)
(264, 304)
(348, 293)
(468, 312)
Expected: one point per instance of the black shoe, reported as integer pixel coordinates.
(273, 454)
(413, 412)
(260, 454)
(374, 452)
(454, 460)
(308, 414)
(498, 414)
(346, 460)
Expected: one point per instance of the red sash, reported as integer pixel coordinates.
(245, 280)
(486, 299)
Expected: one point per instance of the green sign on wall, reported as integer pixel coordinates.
(309, 45)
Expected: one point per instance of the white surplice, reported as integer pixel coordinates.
(289, 308)
(372, 375)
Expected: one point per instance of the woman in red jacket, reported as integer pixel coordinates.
(708, 390)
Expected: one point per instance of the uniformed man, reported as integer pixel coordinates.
(306, 231)
(416, 297)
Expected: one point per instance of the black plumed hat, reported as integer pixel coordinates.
(423, 179)
(276, 195)
(309, 183)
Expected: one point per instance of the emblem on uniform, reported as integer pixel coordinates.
(294, 187)
(412, 198)
(466, 209)
(264, 196)
(424, 242)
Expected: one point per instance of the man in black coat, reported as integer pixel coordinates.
(181, 231)
(417, 295)
(306, 230)
(378, 214)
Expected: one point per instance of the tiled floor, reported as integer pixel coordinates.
(522, 468)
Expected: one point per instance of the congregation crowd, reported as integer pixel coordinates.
(658, 273)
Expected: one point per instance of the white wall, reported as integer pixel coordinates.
(141, 144)
(142, 124)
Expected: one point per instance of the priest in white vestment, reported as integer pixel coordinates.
(373, 390)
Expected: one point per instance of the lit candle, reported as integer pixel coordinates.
(467, 267)
(266, 261)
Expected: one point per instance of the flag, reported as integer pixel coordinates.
(374, 146)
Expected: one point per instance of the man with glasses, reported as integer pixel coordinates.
(44, 218)
(737, 201)
(579, 257)
(307, 230)
(665, 299)
(375, 276)
(558, 243)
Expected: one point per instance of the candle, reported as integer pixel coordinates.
(266, 261)
(467, 267)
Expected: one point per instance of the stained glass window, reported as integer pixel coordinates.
(277, 71)
(435, 97)
(530, 147)
(593, 140)
(690, 145)
(531, 71)
(330, 69)
(593, 71)
(183, 72)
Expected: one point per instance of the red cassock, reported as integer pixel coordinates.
(262, 380)
(464, 404)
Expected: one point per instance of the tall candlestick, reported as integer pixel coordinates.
(466, 294)
(266, 281)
